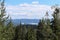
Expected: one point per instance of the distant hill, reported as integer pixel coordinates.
(25, 21)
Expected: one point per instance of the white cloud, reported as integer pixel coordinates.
(35, 2)
(28, 11)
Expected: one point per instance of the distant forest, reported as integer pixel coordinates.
(47, 29)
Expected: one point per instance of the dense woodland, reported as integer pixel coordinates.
(47, 29)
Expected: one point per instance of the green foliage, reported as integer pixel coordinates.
(56, 24)
(10, 31)
(20, 32)
(31, 34)
(46, 29)
(3, 17)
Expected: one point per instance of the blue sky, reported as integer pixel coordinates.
(46, 2)
(29, 9)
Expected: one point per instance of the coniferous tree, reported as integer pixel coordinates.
(10, 30)
(56, 24)
(31, 34)
(3, 19)
(20, 32)
(47, 29)
(39, 33)
(24, 31)
(44, 31)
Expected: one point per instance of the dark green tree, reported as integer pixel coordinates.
(44, 31)
(20, 32)
(24, 31)
(31, 34)
(3, 19)
(47, 29)
(55, 23)
(19, 28)
(10, 30)
(41, 24)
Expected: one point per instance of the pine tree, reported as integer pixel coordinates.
(10, 30)
(40, 27)
(24, 31)
(3, 19)
(48, 31)
(44, 31)
(20, 32)
(56, 24)
(31, 34)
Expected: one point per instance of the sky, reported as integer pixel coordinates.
(29, 9)
(46, 2)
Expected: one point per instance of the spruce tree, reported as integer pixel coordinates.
(20, 32)
(3, 19)
(24, 31)
(10, 30)
(40, 27)
(31, 34)
(44, 31)
(56, 24)
(47, 29)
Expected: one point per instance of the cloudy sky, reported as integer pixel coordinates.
(29, 9)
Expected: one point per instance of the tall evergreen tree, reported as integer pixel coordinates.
(31, 34)
(20, 32)
(44, 31)
(19, 28)
(56, 24)
(24, 31)
(3, 19)
(40, 36)
(10, 30)
(47, 29)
